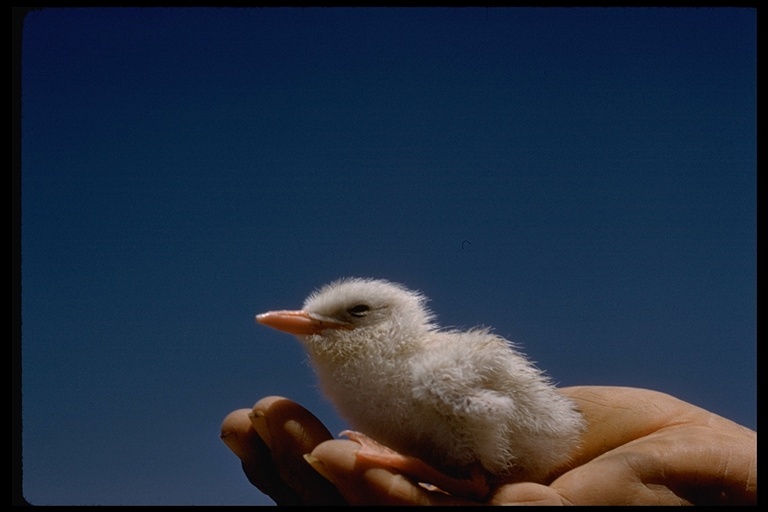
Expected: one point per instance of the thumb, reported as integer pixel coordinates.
(527, 493)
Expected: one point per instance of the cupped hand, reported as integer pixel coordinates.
(271, 440)
(640, 447)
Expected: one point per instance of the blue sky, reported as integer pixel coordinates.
(581, 180)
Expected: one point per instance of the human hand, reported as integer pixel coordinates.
(640, 447)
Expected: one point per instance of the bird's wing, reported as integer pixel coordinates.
(469, 374)
(467, 382)
(492, 397)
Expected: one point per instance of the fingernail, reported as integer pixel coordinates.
(317, 465)
(259, 422)
(233, 443)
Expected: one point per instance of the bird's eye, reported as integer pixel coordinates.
(359, 310)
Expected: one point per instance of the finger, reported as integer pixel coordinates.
(234, 429)
(290, 431)
(607, 481)
(528, 493)
(240, 437)
(362, 483)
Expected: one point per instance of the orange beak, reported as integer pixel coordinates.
(296, 322)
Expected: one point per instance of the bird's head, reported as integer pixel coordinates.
(353, 315)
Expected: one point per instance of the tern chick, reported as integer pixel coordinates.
(465, 402)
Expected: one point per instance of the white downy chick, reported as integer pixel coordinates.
(451, 399)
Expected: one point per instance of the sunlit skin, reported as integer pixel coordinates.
(641, 447)
(434, 401)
